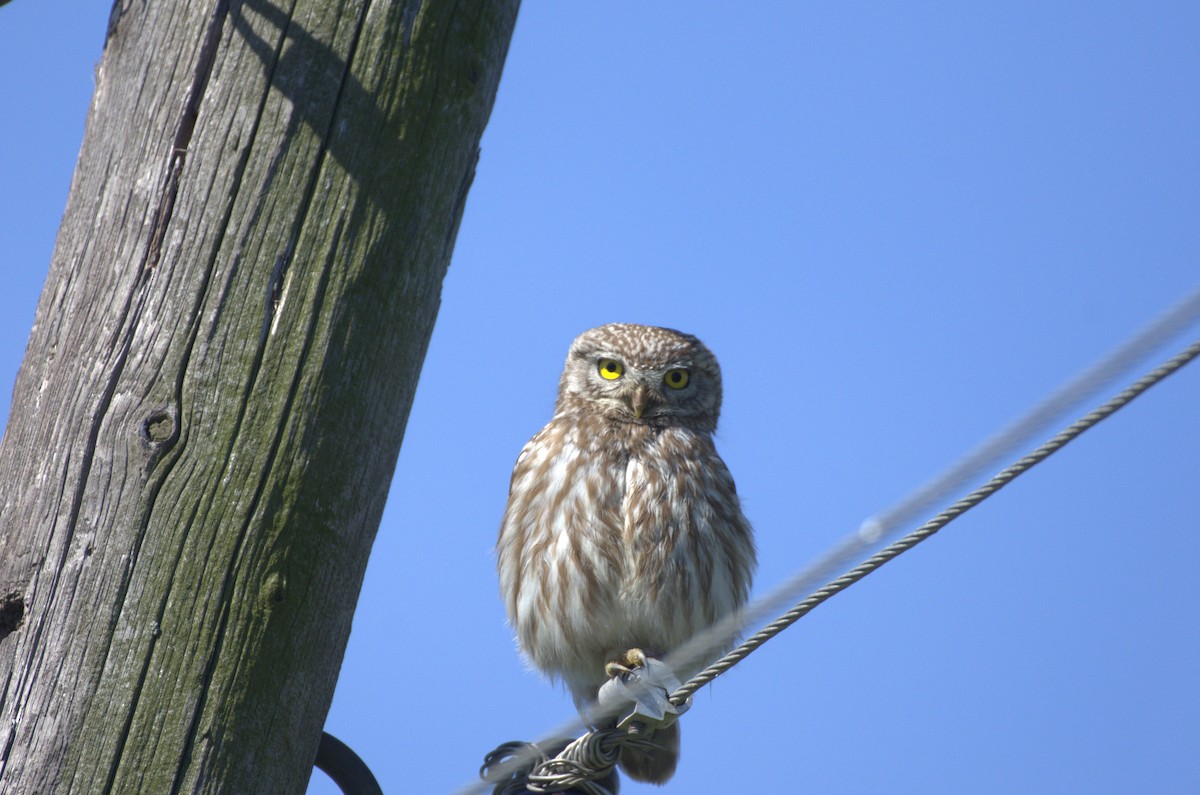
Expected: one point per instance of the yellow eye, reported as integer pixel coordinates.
(676, 379)
(611, 369)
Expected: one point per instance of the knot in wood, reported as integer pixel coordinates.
(159, 427)
(274, 589)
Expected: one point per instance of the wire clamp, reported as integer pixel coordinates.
(646, 690)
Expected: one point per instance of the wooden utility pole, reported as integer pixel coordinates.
(207, 418)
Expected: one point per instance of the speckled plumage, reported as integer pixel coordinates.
(623, 528)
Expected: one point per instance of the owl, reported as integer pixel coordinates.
(623, 535)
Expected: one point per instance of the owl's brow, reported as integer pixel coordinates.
(653, 358)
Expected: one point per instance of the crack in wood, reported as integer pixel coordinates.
(12, 613)
(275, 292)
(205, 59)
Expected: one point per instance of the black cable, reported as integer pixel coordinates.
(338, 761)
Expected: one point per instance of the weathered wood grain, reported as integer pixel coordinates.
(214, 393)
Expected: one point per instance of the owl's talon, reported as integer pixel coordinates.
(614, 669)
(625, 663)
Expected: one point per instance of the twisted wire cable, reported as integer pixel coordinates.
(944, 518)
(992, 452)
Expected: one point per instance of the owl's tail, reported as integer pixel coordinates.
(654, 765)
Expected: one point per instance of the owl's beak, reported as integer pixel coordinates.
(639, 400)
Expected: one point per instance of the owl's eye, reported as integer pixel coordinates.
(611, 369)
(676, 379)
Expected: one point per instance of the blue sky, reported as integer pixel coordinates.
(898, 225)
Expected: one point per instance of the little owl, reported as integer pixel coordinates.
(623, 533)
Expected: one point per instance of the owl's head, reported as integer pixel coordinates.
(644, 374)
